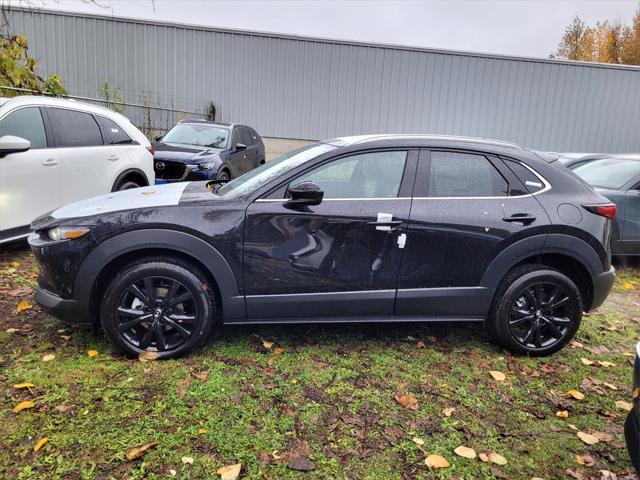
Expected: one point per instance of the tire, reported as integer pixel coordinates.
(536, 310)
(127, 185)
(223, 175)
(137, 298)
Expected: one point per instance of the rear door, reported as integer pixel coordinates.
(88, 166)
(336, 260)
(631, 222)
(467, 207)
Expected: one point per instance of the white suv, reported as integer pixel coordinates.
(55, 151)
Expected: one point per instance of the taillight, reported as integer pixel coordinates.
(607, 210)
(151, 150)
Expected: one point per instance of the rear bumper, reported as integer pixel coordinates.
(602, 286)
(67, 310)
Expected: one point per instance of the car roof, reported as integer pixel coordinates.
(22, 100)
(421, 139)
(209, 122)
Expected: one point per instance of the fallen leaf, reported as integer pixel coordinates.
(465, 452)
(23, 406)
(420, 345)
(278, 350)
(448, 411)
(622, 405)
(11, 330)
(62, 408)
(497, 376)
(202, 431)
(92, 353)
(606, 364)
(22, 306)
(148, 356)
(418, 441)
(17, 264)
(627, 285)
(497, 459)
(48, 357)
(23, 385)
(202, 376)
(586, 361)
(173, 472)
(266, 344)
(436, 461)
(484, 457)
(575, 394)
(134, 453)
(586, 460)
(407, 401)
(40, 444)
(597, 350)
(230, 472)
(301, 464)
(66, 338)
(603, 437)
(562, 414)
(576, 344)
(587, 438)
(609, 385)
(188, 460)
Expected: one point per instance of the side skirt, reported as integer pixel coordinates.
(383, 319)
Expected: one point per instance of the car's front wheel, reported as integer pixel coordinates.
(536, 311)
(160, 305)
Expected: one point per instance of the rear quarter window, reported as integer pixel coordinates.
(112, 132)
(530, 180)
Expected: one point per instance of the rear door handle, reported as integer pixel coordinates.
(50, 162)
(523, 218)
(386, 226)
(113, 158)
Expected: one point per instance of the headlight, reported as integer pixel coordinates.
(206, 166)
(66, 233)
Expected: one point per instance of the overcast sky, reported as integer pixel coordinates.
(526, 27)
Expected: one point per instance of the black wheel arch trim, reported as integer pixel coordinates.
(552, 243)
(129, 171)
(109, 250)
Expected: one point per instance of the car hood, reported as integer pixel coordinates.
(184, 153)
(167, 195)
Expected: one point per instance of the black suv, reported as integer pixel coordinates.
(201, 150)
(375, 229)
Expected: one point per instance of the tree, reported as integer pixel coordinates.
(606, 42)
(18, 69)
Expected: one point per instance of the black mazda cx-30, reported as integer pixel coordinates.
(359, 229)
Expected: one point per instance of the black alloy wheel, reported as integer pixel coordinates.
(162, 305)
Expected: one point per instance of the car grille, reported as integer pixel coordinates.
(169, 170)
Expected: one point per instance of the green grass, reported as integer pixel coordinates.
(328, 397)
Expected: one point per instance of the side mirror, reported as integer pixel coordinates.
(239, 146)
(11, 144)
(304, 194)
(159, 137)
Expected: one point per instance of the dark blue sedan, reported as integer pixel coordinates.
(202, 150)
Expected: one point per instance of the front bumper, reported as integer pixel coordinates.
(67, 310)
(192, 173)
(602, 286)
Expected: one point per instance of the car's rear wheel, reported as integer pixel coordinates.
(160, 305)
(127, 185)
(536, 311)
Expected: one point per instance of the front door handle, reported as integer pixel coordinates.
(386, 226)
(113, 158)
(50, 162)
(523, 218)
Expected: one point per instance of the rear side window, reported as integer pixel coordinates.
(74, 129)
(112, 132)
(530, 180)
(246, 137)
(454, 174)
(26, 123)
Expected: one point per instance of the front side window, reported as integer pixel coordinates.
(113, 133)
(366, 175)
(74, 129)
(246, 137)
(25, 123)
(454, 174)
(198, 134)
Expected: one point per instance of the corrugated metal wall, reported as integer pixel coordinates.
(310, 89)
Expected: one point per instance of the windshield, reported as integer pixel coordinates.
(251, 181)
(200, 134)
(611, 173)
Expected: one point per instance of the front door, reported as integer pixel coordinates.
(336, 260)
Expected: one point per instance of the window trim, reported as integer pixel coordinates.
(406, 182)
(48, 133)
(424, 171)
